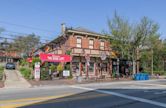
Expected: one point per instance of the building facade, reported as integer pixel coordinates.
(90, 51)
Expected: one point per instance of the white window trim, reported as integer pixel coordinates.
(77, 43)
(102, 47)
(91, 46)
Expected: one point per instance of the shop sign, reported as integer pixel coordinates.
(55, 57)
(103, 56)
(37, 70)
(66, 73)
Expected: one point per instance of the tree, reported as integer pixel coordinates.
(141, 32)
(120, 34)
(25, 44)
(128, 38)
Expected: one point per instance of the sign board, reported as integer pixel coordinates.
(103, 56)
(37, 70)
(55, 57)
(66, 73)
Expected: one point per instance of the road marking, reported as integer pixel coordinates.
(161, 92)
(152, 84)
(27, 101)
(123, 96)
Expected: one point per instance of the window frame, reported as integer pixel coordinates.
(102, 47)
(91, 46)
(78, 43)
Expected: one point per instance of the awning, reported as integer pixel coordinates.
(55, 57)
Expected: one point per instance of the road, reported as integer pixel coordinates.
(126, 94)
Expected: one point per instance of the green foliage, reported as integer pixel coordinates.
(35, 60)
(23, 62)
(68, 52)
(1, 72)
(44, 74)
(53, 67)
(45, 71)
(67, 66)
(60, 68)
(25, 44)
(26, 72)
(160, 72)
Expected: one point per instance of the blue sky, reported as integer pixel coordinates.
(91, 14)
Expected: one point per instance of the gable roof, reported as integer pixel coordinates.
(83, 30)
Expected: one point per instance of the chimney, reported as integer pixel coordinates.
(63, 28)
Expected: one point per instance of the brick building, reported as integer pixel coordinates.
(90, 51)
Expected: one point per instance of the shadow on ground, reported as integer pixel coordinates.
(94, 99)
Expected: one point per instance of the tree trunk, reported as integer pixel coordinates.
(152, 63)
(134, 67)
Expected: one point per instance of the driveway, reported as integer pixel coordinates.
(15, 80)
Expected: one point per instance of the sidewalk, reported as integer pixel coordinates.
(15, 80)
(59, 82)
(1, 84)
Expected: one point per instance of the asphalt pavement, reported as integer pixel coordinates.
(126, 94)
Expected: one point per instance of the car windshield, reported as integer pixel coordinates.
(10, 64)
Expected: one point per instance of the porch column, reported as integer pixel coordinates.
(87, 70)
(80, 68)
(110, 69)
(95, 71)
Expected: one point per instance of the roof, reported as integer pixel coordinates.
(83, 31)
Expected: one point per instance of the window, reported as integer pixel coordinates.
(102, 45)
(79, 41)
(91, 43)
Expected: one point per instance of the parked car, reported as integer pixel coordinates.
(10, 66)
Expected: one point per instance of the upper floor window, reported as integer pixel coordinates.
(91, 43)
(102, 45)
(79, 42)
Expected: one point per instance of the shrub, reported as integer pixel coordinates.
(44, 71)
(26, 72)
(60, 68)
(53, 67)
(23, 62)
(34, 60)
(44, 74)
(1, 72)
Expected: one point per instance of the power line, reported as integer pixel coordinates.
(9, 31)
(9, 38)
(11, 35)
(24, 26)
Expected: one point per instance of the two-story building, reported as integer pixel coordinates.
(90, 51)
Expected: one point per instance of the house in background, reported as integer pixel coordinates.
(8, 56)
(90, 51)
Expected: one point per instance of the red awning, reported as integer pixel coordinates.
(55, 57)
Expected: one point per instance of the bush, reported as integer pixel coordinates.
(23, 62)
(44, 74)
(26, 72)
(44, 71)
(53, 67)
(160, 72)
(1, 72)
(60, 68)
